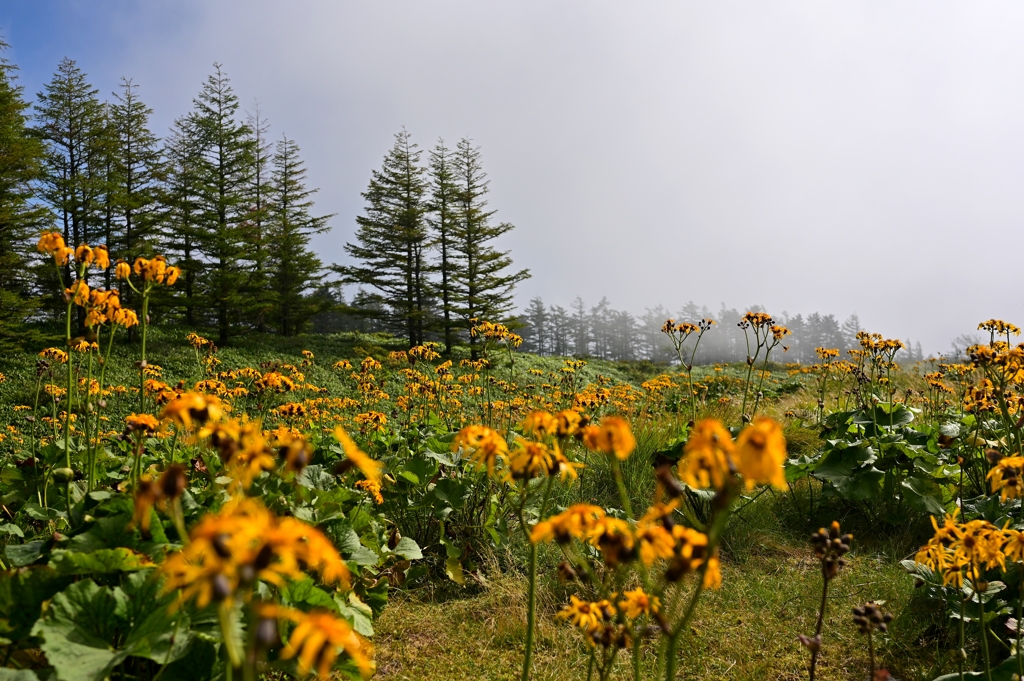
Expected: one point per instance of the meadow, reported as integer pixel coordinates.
(346, 505)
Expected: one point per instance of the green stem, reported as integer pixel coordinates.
(674, 637)
(224, 615)
(621, 484)
(142, 357)
(984, 633)
(531, 608)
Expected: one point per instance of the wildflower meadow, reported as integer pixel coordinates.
(173, 511)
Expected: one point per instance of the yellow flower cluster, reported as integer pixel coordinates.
(316, 639)
(654, 538)
(599, 619)
(231, 549)
(969, 548)
(711, 457)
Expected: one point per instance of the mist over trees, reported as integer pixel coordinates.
(231, 204)
(603, 332)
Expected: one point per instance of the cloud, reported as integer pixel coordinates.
(840, 157)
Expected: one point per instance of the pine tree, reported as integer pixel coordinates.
(390, 243)
(134, 180)
(537, 320)
(481, 285)
(224, 167)
(259, 306)
(294, 269)
(20, 165)
(441, 218)
(70, 121)
(181, 219)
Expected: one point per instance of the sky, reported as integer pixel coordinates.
(848, 158)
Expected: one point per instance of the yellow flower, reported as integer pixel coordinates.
(568, 422)
(529, 460)
(707, 456)
(369, 467)
(486, 447)
(193, 408)
(540, 424)
(574, 522)
(614, 538)
(1014, 547)
(613, 437)
(144, 423)
(587, 615)
(242, 542)
(123, 270)
(761, 453)
(101, 257)
(83, 255)
(653, 533)
(635, 603)
(316, 639)
(372, 488)
(1006, 477)
(54, 355)
(713, 574)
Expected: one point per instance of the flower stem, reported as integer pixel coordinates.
(531, 607)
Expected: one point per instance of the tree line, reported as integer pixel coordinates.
(217, 196)
(603, 332)
(233, 209)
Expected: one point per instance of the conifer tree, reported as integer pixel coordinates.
(181, 218)
(258, 305)
(135, 177)
(390, 242)
(20, 165)
(294, 269)
(441, 218)
(481, 283)
(70, 121)
(223, 169)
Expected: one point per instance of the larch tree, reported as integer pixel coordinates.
(21, 157)
(482, 280)
(391, 240)
(444, 193)
(224, 169)
(294, 269)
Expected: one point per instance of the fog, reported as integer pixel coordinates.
(858, 157)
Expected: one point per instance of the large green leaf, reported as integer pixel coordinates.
(102, 561)
(20, 555)
(924, 495)
(156, 633)
(408, 548)
(76, 630)
(22, 594)
(851, 473)
(304, 592)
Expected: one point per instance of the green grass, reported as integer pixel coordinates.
(747, 630)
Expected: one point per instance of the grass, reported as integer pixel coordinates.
(747, 630)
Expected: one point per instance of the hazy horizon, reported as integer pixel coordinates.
(843, 159)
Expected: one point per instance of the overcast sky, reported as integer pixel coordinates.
(840, 157)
